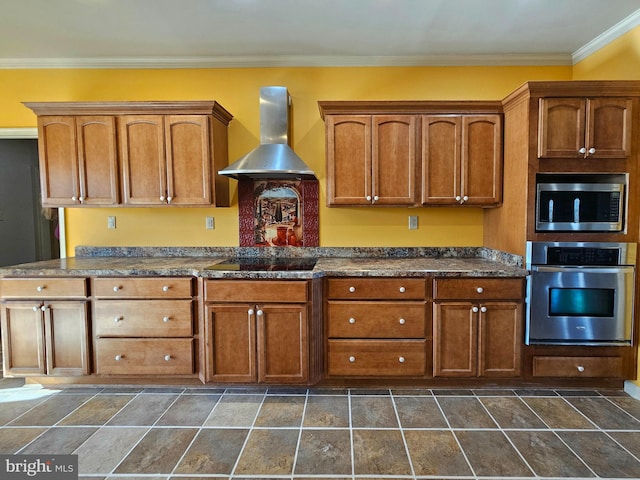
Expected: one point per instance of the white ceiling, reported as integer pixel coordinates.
(223, 33)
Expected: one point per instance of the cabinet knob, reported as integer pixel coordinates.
(81, 199)
(74, 199)
(40, 288)
(44, 308)
(580, 368)
(116, 288)
(352, 289)
(352, 359)
(368, 198)
(402, 321)
(479, 289)
(165, 319)
(167, 358)
(352, 320)
(483, 309)
(36, 308)
(162, 198)
(376, 198)
(592, 151)
(118, 319)
(401, 359)
(474, 309)
(402, 289)
(117, 358)
(165, 288)
(465, 198)
(250, 311)
(259, 313)
(582, 150)
(169, 199)
(458, 198)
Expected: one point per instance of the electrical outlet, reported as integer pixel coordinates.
(111, 223)
(210, 223)
(413, 222)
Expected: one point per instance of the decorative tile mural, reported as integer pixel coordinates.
(278, 213)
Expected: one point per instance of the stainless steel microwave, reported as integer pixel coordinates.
(580, 202)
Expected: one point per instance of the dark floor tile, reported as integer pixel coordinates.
(203, 391)
(373, 412)
(324, 452)
(491, 455)
(370, 391)
(452, 392)
(235, 411)
(125, 389)
(214, 451)
(268, 452)
(605, 414)
(629, 440)
(547, 455)
(465, 412)
(287, 391)
(281, 411)
(511, 412)
(557, 413)
(327, 411)
(11, 382)
(329, 391)
(436, 453)
(156, 390)
(412, 392)
(158, 452)
(14, 439)
(246, 390)
(612, 392)
(578, 393)
(419, 412)
(536, 392)
(51, 411)
(628, 404)
(144, 409)
(604, 456)
(189, 410)
(98, 410)
(379, 452)
(106, 448)
(59, 440)
(493, 392)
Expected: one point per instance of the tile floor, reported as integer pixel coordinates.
(194, 433)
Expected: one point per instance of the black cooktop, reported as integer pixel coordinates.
(260, 264)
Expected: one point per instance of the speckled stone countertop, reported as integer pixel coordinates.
(343, 261)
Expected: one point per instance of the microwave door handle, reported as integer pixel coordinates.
(551, 210)
(576, 210)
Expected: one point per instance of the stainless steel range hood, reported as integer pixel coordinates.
(273, 158)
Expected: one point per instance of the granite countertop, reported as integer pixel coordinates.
(195, 261)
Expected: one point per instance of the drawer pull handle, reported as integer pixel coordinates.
(165, 288)
(402, 289)
(167, 358)
(479, 289)
(402, 321)
(116, 288)
(166, 319)
(352, 359)
(118, 319)
(117, 358)
(352, 289)
(352, 320)
(40, 288)
(474, 309)
(401, 359)
(580, 368)
(483, 309)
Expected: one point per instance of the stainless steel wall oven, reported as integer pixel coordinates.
(580, 293)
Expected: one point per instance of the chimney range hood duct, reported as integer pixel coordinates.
(273, 158)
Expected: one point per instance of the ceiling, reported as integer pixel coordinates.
(239, 33)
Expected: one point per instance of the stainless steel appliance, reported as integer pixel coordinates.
(580, 293)
(590, 202)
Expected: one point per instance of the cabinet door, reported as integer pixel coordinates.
(59, 176)
(142, 154)
(23, 346)
(348, 144)
(231, 343)
(441, 136)
(481, 161)
(394, 159)
(188, 159)
(500, 339)
(561, 128)
(608, 127)
(455, 340)
(283, 344)
(66, 338)
(97, 160)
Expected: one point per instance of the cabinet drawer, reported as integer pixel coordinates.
(149, 356)
(376, 319)
(160, 287)
(478, 288)
(577, 367)
(143, 318)
(377, 288)
(37, 288)
(377, 358)
(287, 291)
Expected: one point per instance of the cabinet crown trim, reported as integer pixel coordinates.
(408, 107)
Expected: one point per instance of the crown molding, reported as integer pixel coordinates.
(606, 37)
(18, 133)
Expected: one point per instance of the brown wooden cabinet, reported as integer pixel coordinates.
(155, 153)
(44, 327)
(78, 160)
(462, 160)
(477, 327)
(585, 127)
(371, 159)
(377, 327)
(259, 331)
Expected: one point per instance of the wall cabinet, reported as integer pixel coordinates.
(371, 159)
(259, 331)
(585, 127)
(137, 153)
(44, 327)
(462, 160)
(377, 327)
(477, 327)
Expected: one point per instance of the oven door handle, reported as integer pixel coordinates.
(573, 269)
